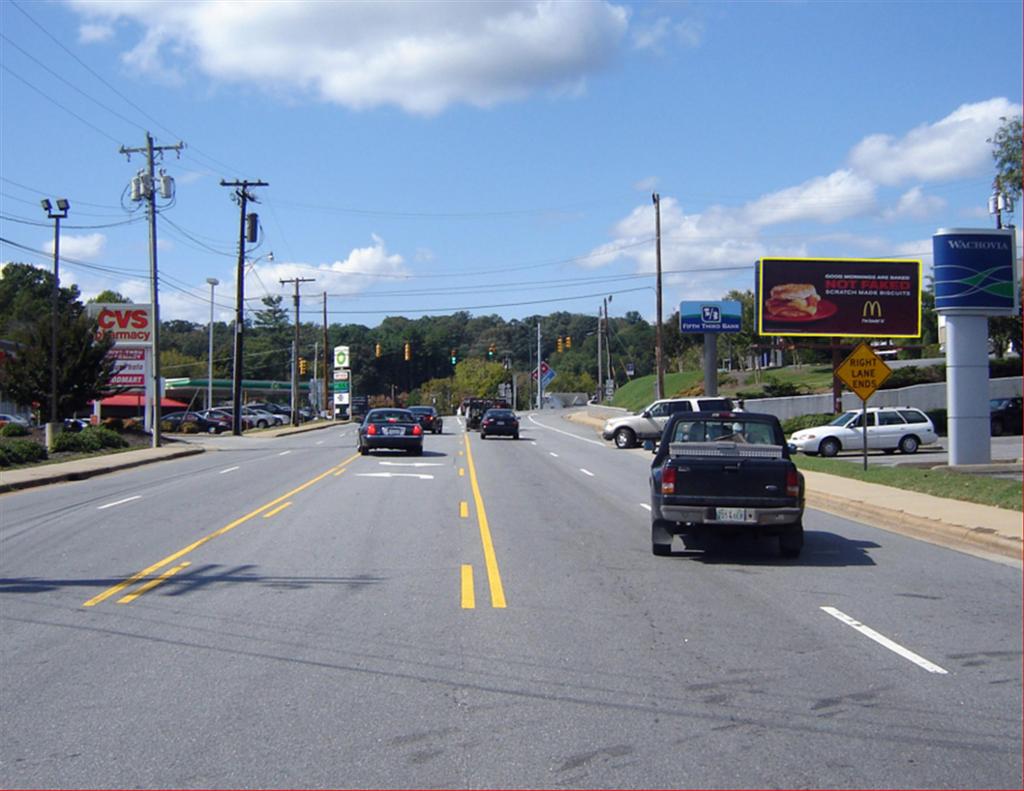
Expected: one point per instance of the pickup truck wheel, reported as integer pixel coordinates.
(829, 447)
(909, 444)
(661, 538)
(792, 541)
(625, 438)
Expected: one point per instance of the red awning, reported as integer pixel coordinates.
(138, 400)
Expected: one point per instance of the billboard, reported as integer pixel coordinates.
(850, 297)
(128, 323)
(974, 271)
(722, 316)
(131, 366)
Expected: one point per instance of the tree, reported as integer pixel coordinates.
(1006, 151)
(25, 295)
(109, 296)
(84, 371)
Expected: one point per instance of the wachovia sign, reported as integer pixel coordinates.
(128, 324)
(975, 271)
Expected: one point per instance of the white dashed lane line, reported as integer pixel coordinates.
(227, 469)
(893, 646)
(587, 472)
(119, 502)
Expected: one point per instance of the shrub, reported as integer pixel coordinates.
(14, 430)
(189, 428)
(107, 438)
(114, 424)
(84, 441)
(20, 451)
(806, 421)
(133, 425)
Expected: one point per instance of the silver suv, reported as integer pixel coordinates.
(630, 430)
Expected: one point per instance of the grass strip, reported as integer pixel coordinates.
(971, 488)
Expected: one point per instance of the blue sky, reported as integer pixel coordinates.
(495, 157)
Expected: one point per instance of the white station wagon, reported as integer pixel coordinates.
(889, 429)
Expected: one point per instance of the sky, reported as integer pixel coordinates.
(494, 157)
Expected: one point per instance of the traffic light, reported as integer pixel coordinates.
(408, 351)
(303, 366)
(559, 344)
(376, 351)
(568, 341)
(455, 356)
(491, 351)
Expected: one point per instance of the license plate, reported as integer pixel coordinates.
(734, 515)
(499, 422)
(393, 431)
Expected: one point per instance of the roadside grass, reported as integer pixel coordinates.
(971, 488)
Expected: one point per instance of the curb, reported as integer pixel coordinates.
(930, 530)
(87, 471)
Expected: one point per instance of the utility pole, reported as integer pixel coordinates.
(540, 380)
(242, 196)
(600, 359)
(329, 409)
(149, 192)
(658, 363)
(295, 347)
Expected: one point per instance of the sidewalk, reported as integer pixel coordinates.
(954, 523)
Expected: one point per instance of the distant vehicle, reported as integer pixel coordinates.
(214, 424)
(474, 411)
(388, 427)
(724, 473)
(888, 429)
(246, 420)
(274, 409)
(6, 418)
(499, 423)
(1005, 416)
(429, 419)
(630, 430)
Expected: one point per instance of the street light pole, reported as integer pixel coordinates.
(56, 216)
(214, 282)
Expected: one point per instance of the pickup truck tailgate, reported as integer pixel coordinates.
(729, 474)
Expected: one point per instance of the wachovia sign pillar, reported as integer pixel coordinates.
(975, 277)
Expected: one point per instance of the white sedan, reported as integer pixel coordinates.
(888, 429)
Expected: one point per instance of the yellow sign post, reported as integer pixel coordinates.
(863, 372)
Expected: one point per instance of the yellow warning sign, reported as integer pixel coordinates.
(863, 371)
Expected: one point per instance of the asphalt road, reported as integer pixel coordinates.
(285, 613)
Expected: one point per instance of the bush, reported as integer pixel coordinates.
(20, 451)
(132, 425)
(189, 428)
(89, 440)
(114, 424)
(107, 438)
(14, 430)
(806, 421)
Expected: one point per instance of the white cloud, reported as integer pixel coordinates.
(955, 147)
(421, 56)
(915, 204)
(362, 268)
(662, 31)
(92, 34)
(87, 247)
(831, 198)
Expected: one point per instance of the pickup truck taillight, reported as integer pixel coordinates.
(793, 483)
(668, 479)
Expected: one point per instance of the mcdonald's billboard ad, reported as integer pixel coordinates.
(848, 297)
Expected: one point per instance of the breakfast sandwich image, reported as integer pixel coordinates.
(793, 300)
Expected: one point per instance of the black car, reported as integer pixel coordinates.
(429, 419)
(392, 428)
(212, 424)
(1005, 416)
(499, 422)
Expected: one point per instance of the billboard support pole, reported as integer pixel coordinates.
(710, 364)
(837, 386)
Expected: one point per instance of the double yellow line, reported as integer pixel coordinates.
(490, 560)
(146, 572)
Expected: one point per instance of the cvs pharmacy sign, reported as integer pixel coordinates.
(130, 325)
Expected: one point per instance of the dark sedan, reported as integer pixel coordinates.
(396, 429)
(428, 418)
(1005, 416)
(205, 424)
(499, 423)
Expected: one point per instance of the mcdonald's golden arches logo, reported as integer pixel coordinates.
(872, 309)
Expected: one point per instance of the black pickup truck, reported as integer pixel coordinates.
(725, 472)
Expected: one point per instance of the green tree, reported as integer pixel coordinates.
(109, 296)
(84, 371)
(25, 295)
(1006, 151)
(478, 378)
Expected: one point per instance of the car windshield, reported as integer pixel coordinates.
(843, 419)
(725, 430)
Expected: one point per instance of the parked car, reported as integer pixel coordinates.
(888, 429)
(499, 422)
(429, 419)
(388, 427)
(228, 413)
(630, 430)
(6, 418)
(274, 409)
(214, 424)
(1005, 416)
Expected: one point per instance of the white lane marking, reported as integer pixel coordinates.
(867, 631)
(587, 472)
(284, 453)
(119, 502)
(410, 464)
(421, 476)
(320, 442)
(552, 454)
(567, 433)
(228, 469)
(645, 505)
